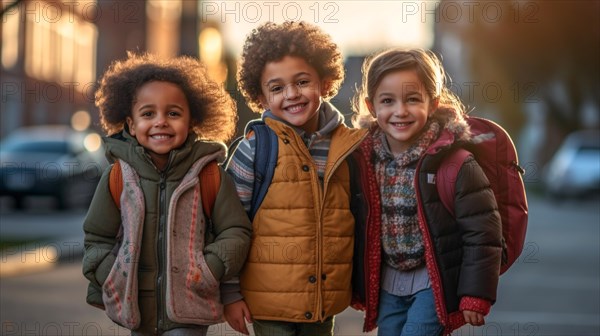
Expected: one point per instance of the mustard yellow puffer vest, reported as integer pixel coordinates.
(300, 262)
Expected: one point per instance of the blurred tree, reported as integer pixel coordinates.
(545, 55)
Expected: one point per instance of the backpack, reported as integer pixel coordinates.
(495, 152)
(265, 160)
(210, 179)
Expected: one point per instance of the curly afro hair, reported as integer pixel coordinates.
(213, 111)
(271, 42)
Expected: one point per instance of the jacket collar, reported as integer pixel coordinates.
(454, 129)
(329, 119)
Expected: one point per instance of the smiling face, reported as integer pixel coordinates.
(292, 90)
(160, 119)
(401, 106)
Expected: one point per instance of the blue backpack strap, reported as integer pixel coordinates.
(231, 149)
(265, 160)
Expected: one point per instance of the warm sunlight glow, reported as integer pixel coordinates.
(92, 142)
(66, 51)
(10, 40)
(211, 45)
(359, 27)
(210, 42)
(85, 42)
(162, 29)
(61, 51)
(81, 120)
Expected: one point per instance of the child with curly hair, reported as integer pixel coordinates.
(297, 276)
(153, 261)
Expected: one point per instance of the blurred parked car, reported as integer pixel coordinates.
(574, 170)
(52, 160)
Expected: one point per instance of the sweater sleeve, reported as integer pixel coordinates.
(227, 253)
(481, 232)
(241, 169)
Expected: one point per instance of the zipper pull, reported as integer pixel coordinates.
(517, 167)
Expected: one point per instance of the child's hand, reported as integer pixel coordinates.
(473, 318)
(236, 314)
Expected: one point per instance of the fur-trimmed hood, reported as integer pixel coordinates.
(455, 129)
(453, 122)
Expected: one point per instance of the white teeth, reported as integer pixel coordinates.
(160, 137)
(295, 108)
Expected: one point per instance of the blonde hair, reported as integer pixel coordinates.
(429, 70)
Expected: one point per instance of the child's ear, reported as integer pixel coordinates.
(370, 107)
(433, 106)
(325, 87)
(263, 102)
(129, 121)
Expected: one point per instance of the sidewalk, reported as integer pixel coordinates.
(52, 238)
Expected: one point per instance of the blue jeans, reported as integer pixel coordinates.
(408, 315)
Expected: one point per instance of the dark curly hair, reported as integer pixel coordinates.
(271, 42)
(213, 111)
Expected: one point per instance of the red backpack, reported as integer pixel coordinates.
(495, 152)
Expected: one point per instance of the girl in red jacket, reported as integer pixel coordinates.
(419, 270)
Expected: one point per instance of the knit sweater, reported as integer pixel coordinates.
(401, 238)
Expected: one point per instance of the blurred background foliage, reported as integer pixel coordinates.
(546, 55)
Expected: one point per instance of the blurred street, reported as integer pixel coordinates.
(553, 289)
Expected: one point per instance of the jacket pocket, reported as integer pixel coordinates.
(104, 268)
(94, 296)
(193, 294)
(120, 294)
(100, 273)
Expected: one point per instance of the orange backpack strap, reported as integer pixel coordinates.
(115, 183)
(210, 181)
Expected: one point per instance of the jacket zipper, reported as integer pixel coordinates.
(322, 192)
(320, 188)
(433, 269)
(162, 248)
(319, 213)
(306, 153)
(337, 163)
(160, 257)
